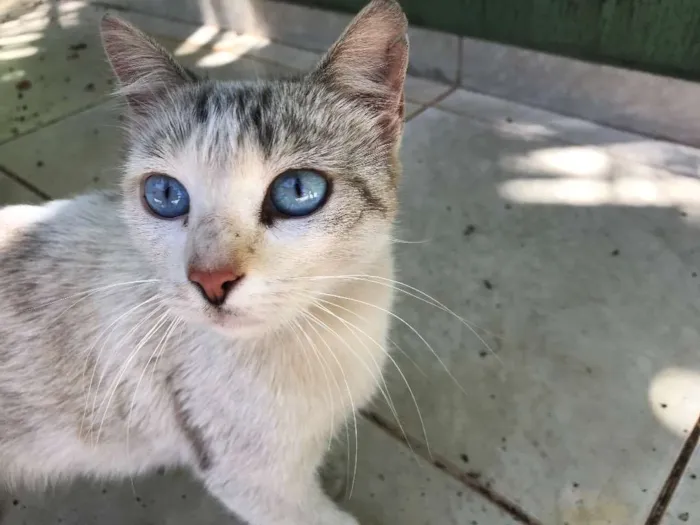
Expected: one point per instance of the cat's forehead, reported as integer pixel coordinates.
(278, 121)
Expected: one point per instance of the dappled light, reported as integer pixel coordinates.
(196, 41)
(674, 398)
(587, 176)
(16, 40)
(238, 45)
(576, 161)
(12, 76)
(241, 15)
(229, 47)
(525, 130)
(16, 53)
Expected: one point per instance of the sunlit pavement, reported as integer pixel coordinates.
(570, 391)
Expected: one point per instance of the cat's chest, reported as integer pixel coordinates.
(304, 384)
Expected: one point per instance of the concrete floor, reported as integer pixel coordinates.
(570, 248)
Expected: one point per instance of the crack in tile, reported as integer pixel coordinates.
(27, 185)
(659, 509)
(469, 479)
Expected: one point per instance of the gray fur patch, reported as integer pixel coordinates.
(192, 432)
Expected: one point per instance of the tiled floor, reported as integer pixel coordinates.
(570, 248)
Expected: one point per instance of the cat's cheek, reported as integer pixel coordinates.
(163, 242)
(286, 232)
(176, 254)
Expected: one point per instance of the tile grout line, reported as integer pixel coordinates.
(56, 120)
(433, 103)
(26, 185)
(540, 107)
(661, 504)
(460, 56)
(470, 480)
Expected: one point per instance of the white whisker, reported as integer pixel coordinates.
(93, 291)
(353, 326)
(156, 350)
(409, 326)
(310, 316)
(89, 352)
(426, 298)
(295, 325)
(112, 390)
(107, 365)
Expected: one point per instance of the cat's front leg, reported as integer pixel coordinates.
(268, 503)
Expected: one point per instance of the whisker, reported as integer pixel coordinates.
(340, 395)
(112, 390)
(104, 345)
(310, 316)
(179, 322)
(156, 350)
(89, 352)
(408, 325)
(353, 326)
(161, 344)
(294, 325)
(92, 291)
(428, 299)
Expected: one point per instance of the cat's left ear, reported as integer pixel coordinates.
(369, 61)
(145, 70)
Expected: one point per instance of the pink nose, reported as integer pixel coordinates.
(215, 285)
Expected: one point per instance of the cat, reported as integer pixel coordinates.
(215, 312)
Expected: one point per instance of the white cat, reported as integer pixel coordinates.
(211, 314)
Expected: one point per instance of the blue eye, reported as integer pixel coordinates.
(165, 196)
(296, 193)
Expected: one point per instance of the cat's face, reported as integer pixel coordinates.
(247, 198)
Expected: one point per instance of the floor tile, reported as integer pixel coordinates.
(264, 49)
(12, 192)
(434, 54)
(411, 109)
(394, 487)
(582, 277)
(424, 91)
(660, 106)
(510, 116)
(51, 65)
(48, 162)
(391, 488)
(225, 62)
(684, 507)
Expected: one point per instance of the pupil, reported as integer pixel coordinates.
(297, 188)
(168, 192)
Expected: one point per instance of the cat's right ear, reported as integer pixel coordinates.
(145, 70)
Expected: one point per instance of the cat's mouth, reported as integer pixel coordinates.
(231, 318)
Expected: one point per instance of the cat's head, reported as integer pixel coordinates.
(245, 196)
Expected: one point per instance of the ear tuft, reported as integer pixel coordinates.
(143, 67)
(370, 59)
